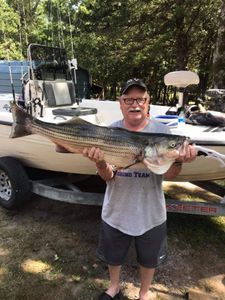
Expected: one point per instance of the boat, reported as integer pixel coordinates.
(50, 95)
(211, 137)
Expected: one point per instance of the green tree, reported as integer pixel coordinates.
(119, 39)
(23, 22)
(122, 39)
(218, 59)
(9, 46)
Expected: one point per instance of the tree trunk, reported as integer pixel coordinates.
(181, 38)
(113, 92)
(219, 53)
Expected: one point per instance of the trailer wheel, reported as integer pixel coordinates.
(15, 188)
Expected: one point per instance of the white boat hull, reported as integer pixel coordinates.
(38, 152)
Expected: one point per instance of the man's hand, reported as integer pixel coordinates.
(96, 155)
(103, 168)
(187, 154)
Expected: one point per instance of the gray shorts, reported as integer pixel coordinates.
(151, 247)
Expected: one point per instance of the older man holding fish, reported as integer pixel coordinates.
(134, 204)
(143, 152)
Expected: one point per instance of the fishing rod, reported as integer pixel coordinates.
(21, 49)
(50, 38)
(9, 64)
(60, 26)
(10, 75)
(71, 35)
(25, 23)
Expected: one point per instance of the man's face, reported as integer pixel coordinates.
(134, 112)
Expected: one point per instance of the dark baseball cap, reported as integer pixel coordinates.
(133, 82)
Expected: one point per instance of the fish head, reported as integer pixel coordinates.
(166, 144)
(170, 146)
(159, 156)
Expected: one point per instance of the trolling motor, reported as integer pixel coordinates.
(196, 114)
(73, 68)
(181, 79)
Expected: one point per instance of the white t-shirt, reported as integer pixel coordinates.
(134, 201)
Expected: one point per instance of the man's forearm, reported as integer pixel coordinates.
(104, 170)
(173, 171)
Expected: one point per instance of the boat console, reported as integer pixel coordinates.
(50, 88)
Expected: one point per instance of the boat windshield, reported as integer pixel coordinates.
(48, 63)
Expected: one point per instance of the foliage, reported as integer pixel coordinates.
(119, 39)
(9, 47)
(218, 58)
(145, 39)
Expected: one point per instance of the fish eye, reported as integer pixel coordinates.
(172, 144)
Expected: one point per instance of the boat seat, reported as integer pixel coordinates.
(59, 93)
(75, 111)
(62, 93)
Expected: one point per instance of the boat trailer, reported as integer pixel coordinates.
(17, 183)
(62, 190)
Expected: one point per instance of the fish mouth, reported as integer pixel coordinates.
(185, 142)
(179, 146)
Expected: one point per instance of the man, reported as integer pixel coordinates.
(134, 204)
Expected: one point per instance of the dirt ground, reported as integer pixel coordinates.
(47, 251)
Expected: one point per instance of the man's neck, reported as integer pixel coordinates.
(136, 127)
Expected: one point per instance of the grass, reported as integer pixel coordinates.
(220, 182)
(47, 252)
(199, 231)
(196, 229)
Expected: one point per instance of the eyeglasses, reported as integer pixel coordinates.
(130, 101)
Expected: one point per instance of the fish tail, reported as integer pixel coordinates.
(20, 122)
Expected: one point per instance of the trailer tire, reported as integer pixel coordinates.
(15, 188)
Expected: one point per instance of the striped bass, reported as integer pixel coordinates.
(122, 148)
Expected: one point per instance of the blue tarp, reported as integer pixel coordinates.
(21, 67)
(17, 68)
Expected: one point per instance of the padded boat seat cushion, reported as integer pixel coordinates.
(59, 93)
(75, 112)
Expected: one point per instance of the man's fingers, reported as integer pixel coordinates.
(187, 154)
(85, 152)
(100, 155)
(94, 154)
(91, 153)
(192, 153)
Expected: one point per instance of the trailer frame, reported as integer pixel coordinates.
(60, 189)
